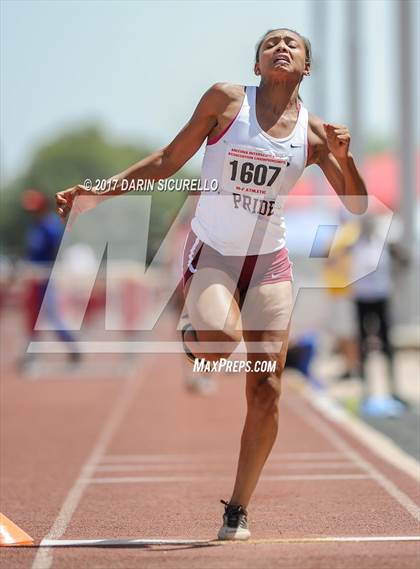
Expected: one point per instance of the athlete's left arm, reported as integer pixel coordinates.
(330, 150)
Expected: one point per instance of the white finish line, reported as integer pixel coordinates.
(134, 542)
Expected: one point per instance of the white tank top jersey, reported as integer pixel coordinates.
(254, 173)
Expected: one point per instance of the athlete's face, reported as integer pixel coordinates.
(282, 52)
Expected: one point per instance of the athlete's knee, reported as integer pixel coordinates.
(265, 394)
(220, 343)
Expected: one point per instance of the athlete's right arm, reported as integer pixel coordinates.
(165, 162)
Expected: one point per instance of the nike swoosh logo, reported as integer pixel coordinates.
(296, 145)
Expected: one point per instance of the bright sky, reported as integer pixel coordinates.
(138, 68)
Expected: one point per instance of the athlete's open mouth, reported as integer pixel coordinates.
(281, 59)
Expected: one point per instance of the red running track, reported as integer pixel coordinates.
(142, 458)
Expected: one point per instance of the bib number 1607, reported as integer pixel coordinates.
(249, 173)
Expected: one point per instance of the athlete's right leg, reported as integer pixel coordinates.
(211, 301)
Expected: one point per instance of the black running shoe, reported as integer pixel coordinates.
(235, 523)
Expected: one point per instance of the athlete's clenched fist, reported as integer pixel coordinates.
(338, 139)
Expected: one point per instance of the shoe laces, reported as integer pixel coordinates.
(236, 514)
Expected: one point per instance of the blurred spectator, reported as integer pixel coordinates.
(6, 277)
(301, 354)
(42, 240)
(372, 295)
(337, 273)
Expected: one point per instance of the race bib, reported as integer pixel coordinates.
(253, 171)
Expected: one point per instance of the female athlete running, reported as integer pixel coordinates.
(237, 274)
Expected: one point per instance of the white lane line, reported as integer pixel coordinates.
(309, 416)
(156, 479)
(376, 441)
(169, 458)
(44, 557)
(129, 542)
(119, 542)
(189, 466)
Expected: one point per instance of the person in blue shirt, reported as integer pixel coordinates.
(42, 240)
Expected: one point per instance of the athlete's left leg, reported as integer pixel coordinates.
(266, 313)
